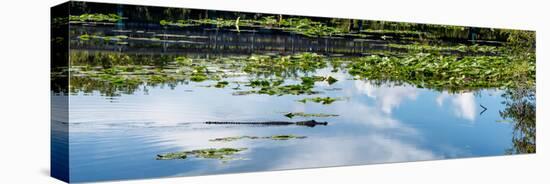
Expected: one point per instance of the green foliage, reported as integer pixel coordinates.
(221, 84)
(392, 31)
(439, 48)
(286, 137)
(323, 100)
(172, 156)
(155, 79)
(294, 89)
(302, 114)
(302, 26)
(520, 101)
(118, 39)
(266, 21)
(446, 72)
(311, 80)
(183, 61)
(223, 154)
(199, 74)
(98, 17)
(520, 41)
(198, 77)
(275, 87)
(331, 80)
(259, 83)
(283, 65)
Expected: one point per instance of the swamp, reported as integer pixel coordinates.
(161, 92)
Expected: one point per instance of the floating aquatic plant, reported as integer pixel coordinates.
(311, 80)
(293, 89)
(159, 78)
(275, 87)
(98, 17)
(273, 137)
(302, 114)
(223, 154)
(183, 61)
(280, 65)
(198, 77)
(446, 72)
(117, 38)
(172, 156)
(323, 100)
(331, 80)
(455, 48)
(221, 84)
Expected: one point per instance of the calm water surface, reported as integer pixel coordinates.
(119, 137)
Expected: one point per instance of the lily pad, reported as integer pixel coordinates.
(323, 100)
(302, 114)
(221, 84)
(210, 153)
(331, 80)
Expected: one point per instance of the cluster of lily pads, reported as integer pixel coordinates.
(118, 39)
(119, 69)
(284, 65)
(452, 73)
(323, 100)
(268, 74)
(96, 17)
(223, 154)
(454, 48)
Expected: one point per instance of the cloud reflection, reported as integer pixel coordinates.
(463, 104)
(339, 151)
(388, 97)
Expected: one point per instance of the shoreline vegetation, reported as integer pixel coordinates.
(424, 64)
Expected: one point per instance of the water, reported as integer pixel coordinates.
(119, 138)
(117, 133)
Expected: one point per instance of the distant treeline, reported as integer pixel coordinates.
(151, 16)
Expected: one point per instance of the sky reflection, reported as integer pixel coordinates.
(376, 124)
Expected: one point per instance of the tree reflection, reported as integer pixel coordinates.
(521, 110)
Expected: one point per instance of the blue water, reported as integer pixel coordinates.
(119, 138)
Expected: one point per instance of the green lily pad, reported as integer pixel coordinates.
(210, 153)
(302, 114)
(323, 100)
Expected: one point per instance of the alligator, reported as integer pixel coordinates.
(309, 123)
